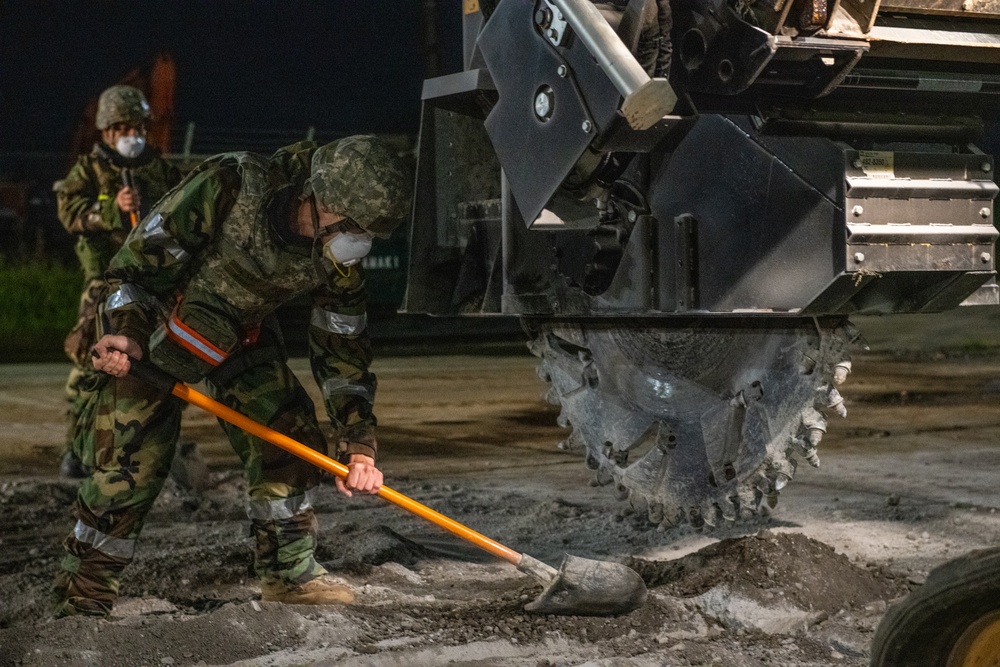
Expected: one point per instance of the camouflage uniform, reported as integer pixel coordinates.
(87, 209)
(195, 285)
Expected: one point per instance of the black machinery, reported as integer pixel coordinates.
(684, 201)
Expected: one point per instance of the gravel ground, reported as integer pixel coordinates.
(907, 482)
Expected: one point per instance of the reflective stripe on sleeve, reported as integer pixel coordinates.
(193, 342)
(280, 508)
(129, 293)
(345, 325)
(153, 231)
(116, 547)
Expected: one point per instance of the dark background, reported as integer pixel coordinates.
(250, 75)
(342, 66)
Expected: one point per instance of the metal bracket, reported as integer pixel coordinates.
(552, 22)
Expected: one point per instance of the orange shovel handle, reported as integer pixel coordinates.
(127, 180)
(188, 394)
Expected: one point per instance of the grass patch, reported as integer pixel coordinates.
(38, 306)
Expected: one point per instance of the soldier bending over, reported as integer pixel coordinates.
(193, 291)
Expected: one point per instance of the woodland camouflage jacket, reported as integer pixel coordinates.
(218, 255)
(86, 200)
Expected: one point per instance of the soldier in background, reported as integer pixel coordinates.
(104, 195)
(193, 291)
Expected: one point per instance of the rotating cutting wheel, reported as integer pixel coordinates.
(699, 423)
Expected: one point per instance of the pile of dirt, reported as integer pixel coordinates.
(771, 567)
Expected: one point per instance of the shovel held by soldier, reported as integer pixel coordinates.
(193, 292)
(581, 586)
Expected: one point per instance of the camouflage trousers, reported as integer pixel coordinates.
(130, 447)
(82, 377)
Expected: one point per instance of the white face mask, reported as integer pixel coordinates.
(347, 249)
(130, 146)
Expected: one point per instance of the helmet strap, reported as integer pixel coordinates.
(315, 216)
(317, 246)
(317, 250)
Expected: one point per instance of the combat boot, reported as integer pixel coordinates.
(324, 589)
(71, 467)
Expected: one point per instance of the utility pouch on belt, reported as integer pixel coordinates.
(192, 342)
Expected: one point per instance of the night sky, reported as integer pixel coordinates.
(343, 66)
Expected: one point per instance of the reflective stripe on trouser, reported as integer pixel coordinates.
(135, 435)
(283, 521)
(285, 533)
(88, 578)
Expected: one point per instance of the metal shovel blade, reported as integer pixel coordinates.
(585, 587)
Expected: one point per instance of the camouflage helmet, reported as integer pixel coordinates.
(121, 104)
(362, 178)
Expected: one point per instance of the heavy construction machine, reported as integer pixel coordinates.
(685, 201)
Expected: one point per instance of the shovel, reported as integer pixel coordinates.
(581, 586)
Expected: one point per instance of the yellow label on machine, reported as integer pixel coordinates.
(877, 164)
(470, 6)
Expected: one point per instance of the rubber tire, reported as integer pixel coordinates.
(922, 629)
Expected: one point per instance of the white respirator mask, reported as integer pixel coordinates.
(347, 249)
(130, 146)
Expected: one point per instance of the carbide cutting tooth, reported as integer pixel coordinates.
(781, 481)
(835, 402)
(592, 461)
(814, 424)
(695, 518)
(841, 371)
(621, 491)
(782, 471)
(811, 457)
(853, 334)
(603, 477)
(771, 498)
